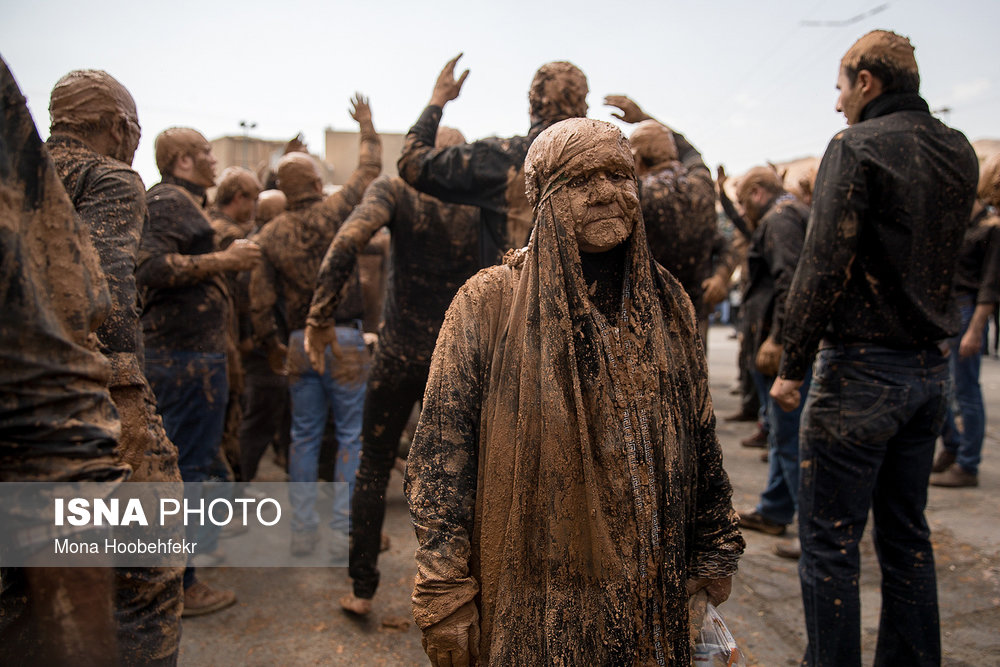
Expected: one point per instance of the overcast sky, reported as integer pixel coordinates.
(745, 81)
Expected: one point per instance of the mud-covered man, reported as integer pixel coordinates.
(94, 134)
(433, 250)
(57, 421)
(678, 206)
(294, 244)
(778, 223)
(565, 481)
(185, 319)
(231, 216)
(489, 173)
(893, 198)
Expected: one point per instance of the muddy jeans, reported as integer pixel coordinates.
(192, 391)
(394, 387)
(967, 444)
(780, 496)
(867, 442)
(340, 390)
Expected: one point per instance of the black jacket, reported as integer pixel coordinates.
(893, 198)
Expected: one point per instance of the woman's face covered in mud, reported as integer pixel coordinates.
(586, 168)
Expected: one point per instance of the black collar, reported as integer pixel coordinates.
(888, 103)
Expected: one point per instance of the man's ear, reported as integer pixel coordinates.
(869, 84)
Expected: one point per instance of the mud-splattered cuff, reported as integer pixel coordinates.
(714, 565)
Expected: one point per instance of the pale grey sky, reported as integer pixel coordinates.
(745, 81)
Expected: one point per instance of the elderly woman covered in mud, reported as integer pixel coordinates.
(565, 481)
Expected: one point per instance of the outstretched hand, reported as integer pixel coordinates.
(360, 111)
(630, 111)
(447, 87)
(720, 176)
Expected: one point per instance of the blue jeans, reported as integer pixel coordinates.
(868, 433)
(967, 444)
(341, 388)
(779, 499)
(192, 390)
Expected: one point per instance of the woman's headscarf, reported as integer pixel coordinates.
(589, 439)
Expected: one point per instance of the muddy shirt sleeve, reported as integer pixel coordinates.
(781, 248)
(989, 287)
(442, 465)
(830, 247)
(476, 174)
(374, 212)
(114, 206)
(340, 203)
(734, 216)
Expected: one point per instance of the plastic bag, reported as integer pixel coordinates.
(715, 644)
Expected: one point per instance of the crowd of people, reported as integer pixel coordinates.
(547, 306)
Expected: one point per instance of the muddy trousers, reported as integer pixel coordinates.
(394, 386)
(266, 419)
(867, 443)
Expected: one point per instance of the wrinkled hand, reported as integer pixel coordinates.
(451, 641)
(718, 589)
(242, 254)
(630, 111)
(720, 176)
(971, 343)
(715, 290)
(316, 341)
(360, 111)
(786, 393)
(447, 88)
(276, 355)
(769, 357)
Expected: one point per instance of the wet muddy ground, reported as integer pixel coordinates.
(291, 616)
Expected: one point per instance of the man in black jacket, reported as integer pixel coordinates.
(873, 292)
(489, 173)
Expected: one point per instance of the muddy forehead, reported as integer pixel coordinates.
(883, 46)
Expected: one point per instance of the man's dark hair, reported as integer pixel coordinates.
(894, 79)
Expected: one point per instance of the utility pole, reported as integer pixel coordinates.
(247, 125)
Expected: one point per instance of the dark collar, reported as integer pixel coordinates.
(197, 191)
(888, 103)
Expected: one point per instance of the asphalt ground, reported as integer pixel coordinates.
(290, 616)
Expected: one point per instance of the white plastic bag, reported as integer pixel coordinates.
(715, 644)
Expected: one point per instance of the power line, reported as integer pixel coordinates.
(839, 24)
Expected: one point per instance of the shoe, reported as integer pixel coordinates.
(791, 549)
(954, 476)
(758, 439)
(200, 599)
(943, 459)
(384, 543)
(355, 605)
(304, 543)
(754, 520)
(765, 456)
(740, 417)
